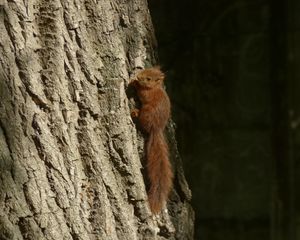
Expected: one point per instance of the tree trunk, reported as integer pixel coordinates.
(70, 156)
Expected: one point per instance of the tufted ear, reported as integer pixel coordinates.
(157, 67)
(161, 74)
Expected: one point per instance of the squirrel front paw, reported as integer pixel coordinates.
(135, 113)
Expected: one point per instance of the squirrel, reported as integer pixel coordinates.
(153, 117)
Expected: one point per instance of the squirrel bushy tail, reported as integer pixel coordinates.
(159, 170)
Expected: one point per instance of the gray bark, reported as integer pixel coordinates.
(71, 158)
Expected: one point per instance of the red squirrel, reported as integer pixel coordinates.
(153, 117)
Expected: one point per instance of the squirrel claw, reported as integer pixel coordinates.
(135, 113)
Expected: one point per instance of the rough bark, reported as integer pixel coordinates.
(70, 155)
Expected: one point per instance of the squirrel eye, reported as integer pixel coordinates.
(148, 78)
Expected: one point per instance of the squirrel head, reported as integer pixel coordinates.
(150, 78)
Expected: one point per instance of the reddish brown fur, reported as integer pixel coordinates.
(153, 117)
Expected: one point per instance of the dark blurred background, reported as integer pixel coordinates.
(233, 70)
